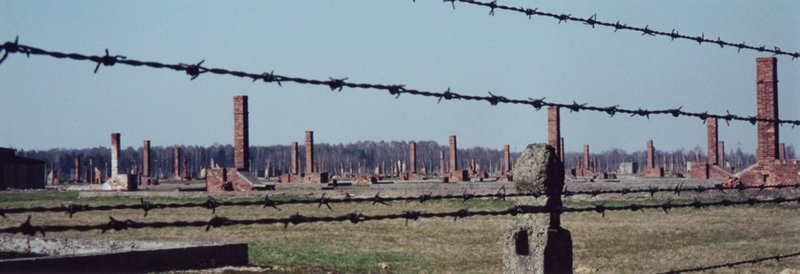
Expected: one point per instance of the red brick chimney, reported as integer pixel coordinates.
(241, 135)
(713, 152)
(767, 108)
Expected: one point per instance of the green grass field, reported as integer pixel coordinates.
(620, 242)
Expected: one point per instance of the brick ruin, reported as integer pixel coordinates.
(771, 167)
(505, 173)
(456, 175)
(118, 180)
(146, 158)
(176, 165)
(714, 167)
(650, 170)
(312, 175)
(442, 164)
(554, 131)
(76, 177)
(145, 177)
(238, 178)
(585, 167)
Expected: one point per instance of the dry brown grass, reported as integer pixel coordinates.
(620, 242)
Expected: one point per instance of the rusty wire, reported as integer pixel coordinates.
(212, 204)
(645, 31)
(338, 84)
(734, 264)
(28, 228)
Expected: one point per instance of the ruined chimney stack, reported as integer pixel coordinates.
(146, 158)
(115, 142)
(767, 108)
(241, 134)
(713, 136)
(309, 152)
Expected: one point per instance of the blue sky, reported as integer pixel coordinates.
(46, 103)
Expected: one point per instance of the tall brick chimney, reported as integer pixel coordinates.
(554, 129)
(782, 152)
(146, 158)
(561, 149)
(295, 160)
(713, 152)
(412, 157)
(651, 154)
(309, 152)
(721, 153)
(453, 154)
(442, 164)
(115, 139)
(506, 159)
(241, 134)
(585, 162)
(177, 167)
(767, 108)
(77, 176)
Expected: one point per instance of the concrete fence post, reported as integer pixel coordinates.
(536, 243)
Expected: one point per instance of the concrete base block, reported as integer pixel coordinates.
(55, 255)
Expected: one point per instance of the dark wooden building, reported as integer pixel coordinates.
(19, 172)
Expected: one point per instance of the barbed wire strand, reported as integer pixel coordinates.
(338, 84)
(501, 194)
(734, 264)
(28, 228)
(645, 31)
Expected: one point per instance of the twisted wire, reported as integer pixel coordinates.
(645, 31)
(338, 84)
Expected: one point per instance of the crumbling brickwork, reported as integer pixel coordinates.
(771, 168)
(651, 171)
(146, 158)
(118, 180)
(442, 164)
(651, 154)
(767, 108)
(294, 160)
(228, 179)
(554, 130)
(506, 159)
(782, 152)
(412, 157)
(309, 152)
(453, 154)
(176, 173)
(77, 175)
(713, 136)
(241, 134)
(115, 168)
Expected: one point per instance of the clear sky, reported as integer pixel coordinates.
(46, 102)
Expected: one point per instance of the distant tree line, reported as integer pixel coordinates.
(366, 155)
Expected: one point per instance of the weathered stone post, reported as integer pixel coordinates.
(537, 243)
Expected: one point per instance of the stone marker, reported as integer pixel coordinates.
(536, 243)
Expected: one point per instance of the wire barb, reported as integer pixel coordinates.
(645, 31)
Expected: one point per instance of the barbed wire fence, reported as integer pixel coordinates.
(27, 228)
(338, 84)
(212, 203)
(645, 31)
(194, 70)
